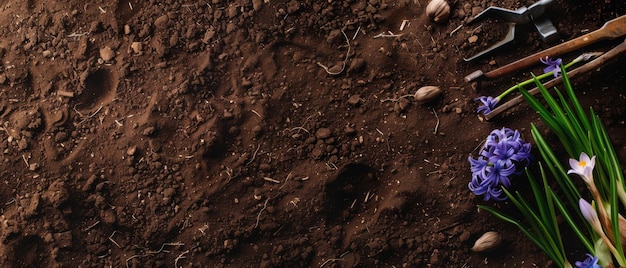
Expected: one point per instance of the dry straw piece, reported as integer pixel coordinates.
(438, 10)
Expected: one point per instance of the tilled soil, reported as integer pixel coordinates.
(262, 133)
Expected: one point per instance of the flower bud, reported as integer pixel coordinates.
(438, 10)
(427, 93)
(487, 242)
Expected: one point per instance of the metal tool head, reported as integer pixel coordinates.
(610, 30)
(509, 38)
(537, 9)
(523, 15)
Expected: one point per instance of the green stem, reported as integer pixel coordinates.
(529, 81)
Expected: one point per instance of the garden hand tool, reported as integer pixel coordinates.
(523, 15)
(610, 30)
(592, 65)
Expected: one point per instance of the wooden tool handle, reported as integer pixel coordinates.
(592, 65)
(610, 30)
(560, 49)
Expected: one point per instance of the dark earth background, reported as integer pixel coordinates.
(206, 134)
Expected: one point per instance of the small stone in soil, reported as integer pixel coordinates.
(63, 240)
(107, 54)
(335, 69)
(108, 217)
(322, 133)
(161, 22)
(149, 131)
(256, 4)
(354, 99)
(137, 47)
(356, 65)
(57, 193)
(131, 150)
(33, 166)
(33, 206)
(22, 144)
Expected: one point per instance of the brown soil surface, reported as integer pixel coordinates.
(210, 134)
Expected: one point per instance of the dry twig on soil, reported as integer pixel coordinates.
(343, 66)
(387, 35)
(437, 125)
(258, 217)
(149, 252)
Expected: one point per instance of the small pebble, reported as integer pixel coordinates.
(354, 99)
(336, 69)
(131, 150)
(149, 131)
(161, 22)
(33, 166)
(256, 4)
(322, 133)
(107, 54)
(137, 47)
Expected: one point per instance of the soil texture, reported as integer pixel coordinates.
(263, 133)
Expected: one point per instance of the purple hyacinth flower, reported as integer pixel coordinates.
(478, 166)
(500, 172)
(507, 145)
(553, 65)
(512, 151)
(489, 103)
(589, 262)
(503, 156)
(502, 135)
(479, 186)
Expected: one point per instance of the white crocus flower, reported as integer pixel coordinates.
(583, 167)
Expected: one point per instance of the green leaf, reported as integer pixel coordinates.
(582, 117)
(579, 134)
(545, 115)
(573, 225)
(552, 212)
(555, 166)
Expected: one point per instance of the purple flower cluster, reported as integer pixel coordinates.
(589, 262)
(503, 156)
(489, 103)
(553, 65)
